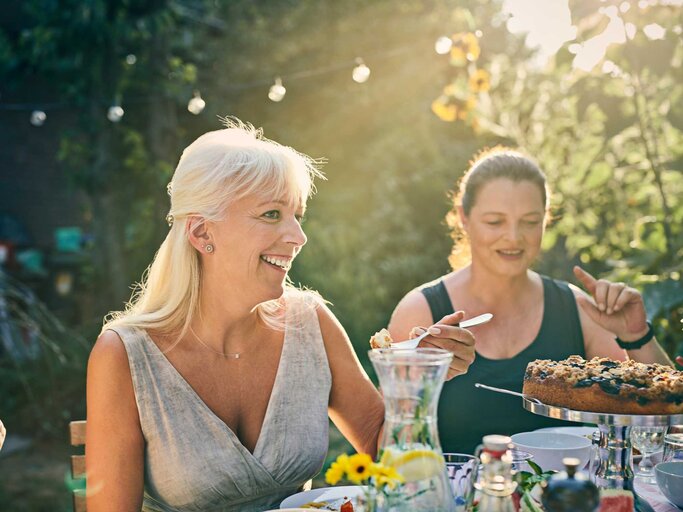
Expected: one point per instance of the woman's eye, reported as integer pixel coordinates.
(494, 223)
(532, 222)
(300, 219)
(272, 214)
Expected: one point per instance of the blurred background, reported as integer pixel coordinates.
(99, 98)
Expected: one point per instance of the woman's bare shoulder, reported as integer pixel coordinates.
(109, 353)
(412, 311)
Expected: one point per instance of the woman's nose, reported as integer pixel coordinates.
(514, 232)
(295, 233)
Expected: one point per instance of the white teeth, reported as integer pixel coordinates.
(511, 253)
(282, 263)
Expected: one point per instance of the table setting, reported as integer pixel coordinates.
(592, 462)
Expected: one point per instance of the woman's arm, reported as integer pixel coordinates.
(356, 407)
(114, 446)
(413, 311)
(614, 310)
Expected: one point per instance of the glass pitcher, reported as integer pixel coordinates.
(411, 381)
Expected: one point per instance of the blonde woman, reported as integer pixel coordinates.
(212, 390)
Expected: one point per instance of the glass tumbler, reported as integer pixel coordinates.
(673, 448)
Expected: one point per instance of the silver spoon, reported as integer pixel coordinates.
(507, 391)
(481, 319)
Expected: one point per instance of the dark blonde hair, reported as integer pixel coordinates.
(488, 165)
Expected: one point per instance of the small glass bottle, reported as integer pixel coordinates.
(496, 482)
(570, 491)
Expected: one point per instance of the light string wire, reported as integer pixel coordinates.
(289, 77)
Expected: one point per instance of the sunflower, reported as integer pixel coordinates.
(337, 470)
(480, 81)
(386, 476)
(359, 467)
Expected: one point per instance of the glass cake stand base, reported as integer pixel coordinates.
(615, 469)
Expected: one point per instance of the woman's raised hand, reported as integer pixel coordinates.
(447, 335)
(615, 307)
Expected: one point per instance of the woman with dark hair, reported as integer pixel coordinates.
(497, 221)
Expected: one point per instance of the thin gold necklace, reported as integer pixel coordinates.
(229, 355)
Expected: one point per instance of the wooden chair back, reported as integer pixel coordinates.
(77, 435)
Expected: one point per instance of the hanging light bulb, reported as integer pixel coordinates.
(443, 45)
(277, 91)
(196, 104)
(361, 72)
(38, 117)
(115, 113)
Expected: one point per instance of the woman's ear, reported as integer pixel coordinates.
(197, 232)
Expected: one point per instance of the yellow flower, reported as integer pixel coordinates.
(465, 47)
(450, 108)
(480, 81)
(386, 476)
(337, 469)
(444, 110)
(359, 467)
(471, 43)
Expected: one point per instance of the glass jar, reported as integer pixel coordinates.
(495, 481)
(411, 382)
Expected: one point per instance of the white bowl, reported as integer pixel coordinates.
(670, 480)
(549, 448)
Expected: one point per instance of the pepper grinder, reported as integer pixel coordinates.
(570, 491)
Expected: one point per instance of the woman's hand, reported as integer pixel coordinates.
(615, 307)
(447, 335)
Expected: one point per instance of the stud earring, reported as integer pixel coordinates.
(209, 248)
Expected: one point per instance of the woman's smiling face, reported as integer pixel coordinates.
(505, 226)
(255, 245)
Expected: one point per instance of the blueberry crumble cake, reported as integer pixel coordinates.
(604, 385)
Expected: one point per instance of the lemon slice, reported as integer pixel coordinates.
(415, 465)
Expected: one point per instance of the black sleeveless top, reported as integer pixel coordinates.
(466, 413)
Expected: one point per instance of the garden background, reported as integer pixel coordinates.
(94, 114)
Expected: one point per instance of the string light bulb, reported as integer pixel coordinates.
(196, 104)
(443, 45)
(38, 117)
(277, 91)
(131, 59)
(115, 113)
(361, 72)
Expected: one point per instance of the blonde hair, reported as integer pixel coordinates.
(219, 167)
(499, 162)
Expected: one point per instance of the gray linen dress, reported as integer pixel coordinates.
(194, 462)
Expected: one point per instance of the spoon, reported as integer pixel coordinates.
(481, 319)
(507, 391)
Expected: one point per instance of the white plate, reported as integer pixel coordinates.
(328, 494)
(575, 431)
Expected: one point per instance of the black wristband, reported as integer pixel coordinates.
(632, 345)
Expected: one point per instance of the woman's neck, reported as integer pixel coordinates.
(225, 323)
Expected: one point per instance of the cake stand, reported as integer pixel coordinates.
(615, 470)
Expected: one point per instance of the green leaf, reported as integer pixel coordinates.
(599, 174)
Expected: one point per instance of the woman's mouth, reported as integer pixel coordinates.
(279, 262)
(510, 254)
